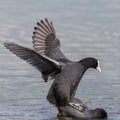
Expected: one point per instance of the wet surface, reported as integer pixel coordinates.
(85, 28)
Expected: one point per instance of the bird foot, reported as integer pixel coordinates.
(81, 107)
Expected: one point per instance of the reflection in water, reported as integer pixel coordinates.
(85, 28)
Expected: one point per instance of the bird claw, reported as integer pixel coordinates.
(81, 107)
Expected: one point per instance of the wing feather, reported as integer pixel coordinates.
(44, 64)
(44, 35)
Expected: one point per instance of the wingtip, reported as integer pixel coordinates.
(33, 37)
(38, 23)
(34, 32)
(35, 28)
(51, 23)
(46, 19)
(7, 43)
(42, 21)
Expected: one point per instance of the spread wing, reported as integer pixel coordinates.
(41, 62)
(45, 41)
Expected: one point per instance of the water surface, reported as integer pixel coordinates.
(85, 28)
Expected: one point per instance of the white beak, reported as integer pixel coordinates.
(98, 67)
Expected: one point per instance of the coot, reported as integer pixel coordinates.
(47, 57)
(78, 110)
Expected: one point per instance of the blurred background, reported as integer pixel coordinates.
(85, 28)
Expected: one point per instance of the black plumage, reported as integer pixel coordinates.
(78, 110)
(65, 84)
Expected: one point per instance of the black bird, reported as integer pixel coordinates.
(78, 110)
(52, 63)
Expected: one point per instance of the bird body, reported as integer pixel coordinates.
(65, 83)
